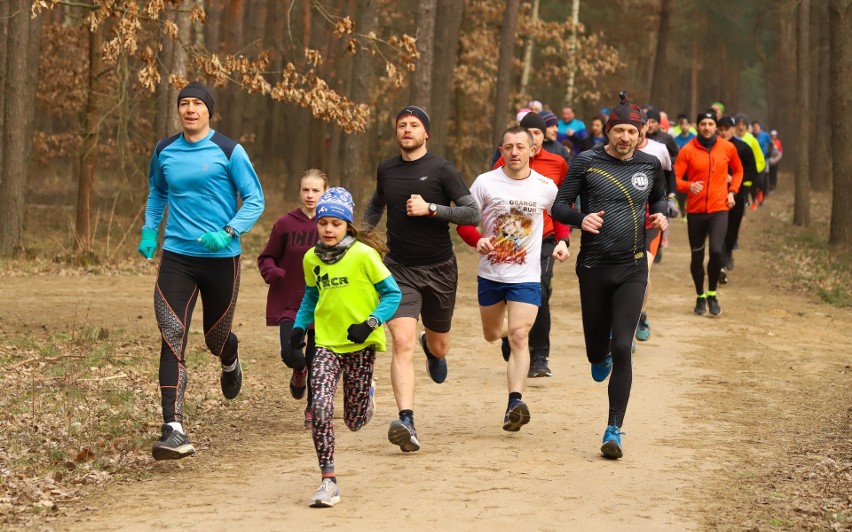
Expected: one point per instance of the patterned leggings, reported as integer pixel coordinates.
(357, 370)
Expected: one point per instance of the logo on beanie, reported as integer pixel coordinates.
(640, 181)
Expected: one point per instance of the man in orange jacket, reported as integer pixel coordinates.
(701, 171)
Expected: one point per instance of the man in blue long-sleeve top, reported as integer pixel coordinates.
(199, 175)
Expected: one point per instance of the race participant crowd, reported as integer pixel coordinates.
(334, 281)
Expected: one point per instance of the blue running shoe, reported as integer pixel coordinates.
(611, 447)
(437, 366)
(517, 415)
(401, 432)
(600, 371)
(643, 329)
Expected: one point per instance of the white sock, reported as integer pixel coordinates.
(232, 367)
(177, 426)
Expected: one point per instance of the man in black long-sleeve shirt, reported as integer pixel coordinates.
(417, 188)
(725, 128)
(615, 182)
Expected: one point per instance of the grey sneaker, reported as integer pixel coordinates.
(232, 381)
(327, 495)
(172, 445)
(402, 433)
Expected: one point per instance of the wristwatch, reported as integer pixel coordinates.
(230, 230)
(433, 209)
(373, 322)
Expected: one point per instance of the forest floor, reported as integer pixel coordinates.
(737, 422)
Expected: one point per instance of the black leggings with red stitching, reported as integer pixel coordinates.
(179, 282)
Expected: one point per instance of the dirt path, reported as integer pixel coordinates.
(714, 403)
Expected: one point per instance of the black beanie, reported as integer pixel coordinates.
(653, 114)
(533, 120)
(197, 90)
(725, 121)
(418, 113)
(624, 113)
(711, 115)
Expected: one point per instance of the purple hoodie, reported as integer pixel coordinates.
(280, 264)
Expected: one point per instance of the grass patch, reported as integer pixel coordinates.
(800, 258)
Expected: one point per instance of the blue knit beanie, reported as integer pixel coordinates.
(336, 202)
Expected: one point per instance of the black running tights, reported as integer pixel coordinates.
(611, 300)
(298, 359)
(699, 227)
(179, 281)
(539, 335)
(735, 218)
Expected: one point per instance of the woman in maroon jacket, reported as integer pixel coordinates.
(280, 264)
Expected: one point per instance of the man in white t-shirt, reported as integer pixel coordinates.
(512, 200)
(653, 236)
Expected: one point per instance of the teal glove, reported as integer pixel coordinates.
(216, 240)
(148, 244)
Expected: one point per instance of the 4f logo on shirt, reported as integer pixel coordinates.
(640, 181)
(324, 281)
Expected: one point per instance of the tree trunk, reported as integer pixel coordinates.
(4, 35)
(572, 50)
(355, 173)
(840, 23)
(450, 13)
(15, 133)
(695, 66)
(88, 159)
(174, 59)
(801, 208)
(529, 45)
(659, 96)
(819, 127)
(421, 90)
(784, 72)
(504, 69)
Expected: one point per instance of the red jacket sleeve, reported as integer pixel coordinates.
(469, 233)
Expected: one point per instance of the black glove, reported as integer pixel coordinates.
(297, 338)
(672, 211)
(358, 332)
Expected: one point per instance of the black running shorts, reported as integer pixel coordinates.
(427, 291)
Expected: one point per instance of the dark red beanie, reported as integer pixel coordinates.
(624, 113)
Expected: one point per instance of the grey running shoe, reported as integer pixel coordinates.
(172, 445)
(729, 262)
(517, 415)
(713, 303)
(700, 306)
(402, 432)
(723, 276)
(232, 381)
(327, 495)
